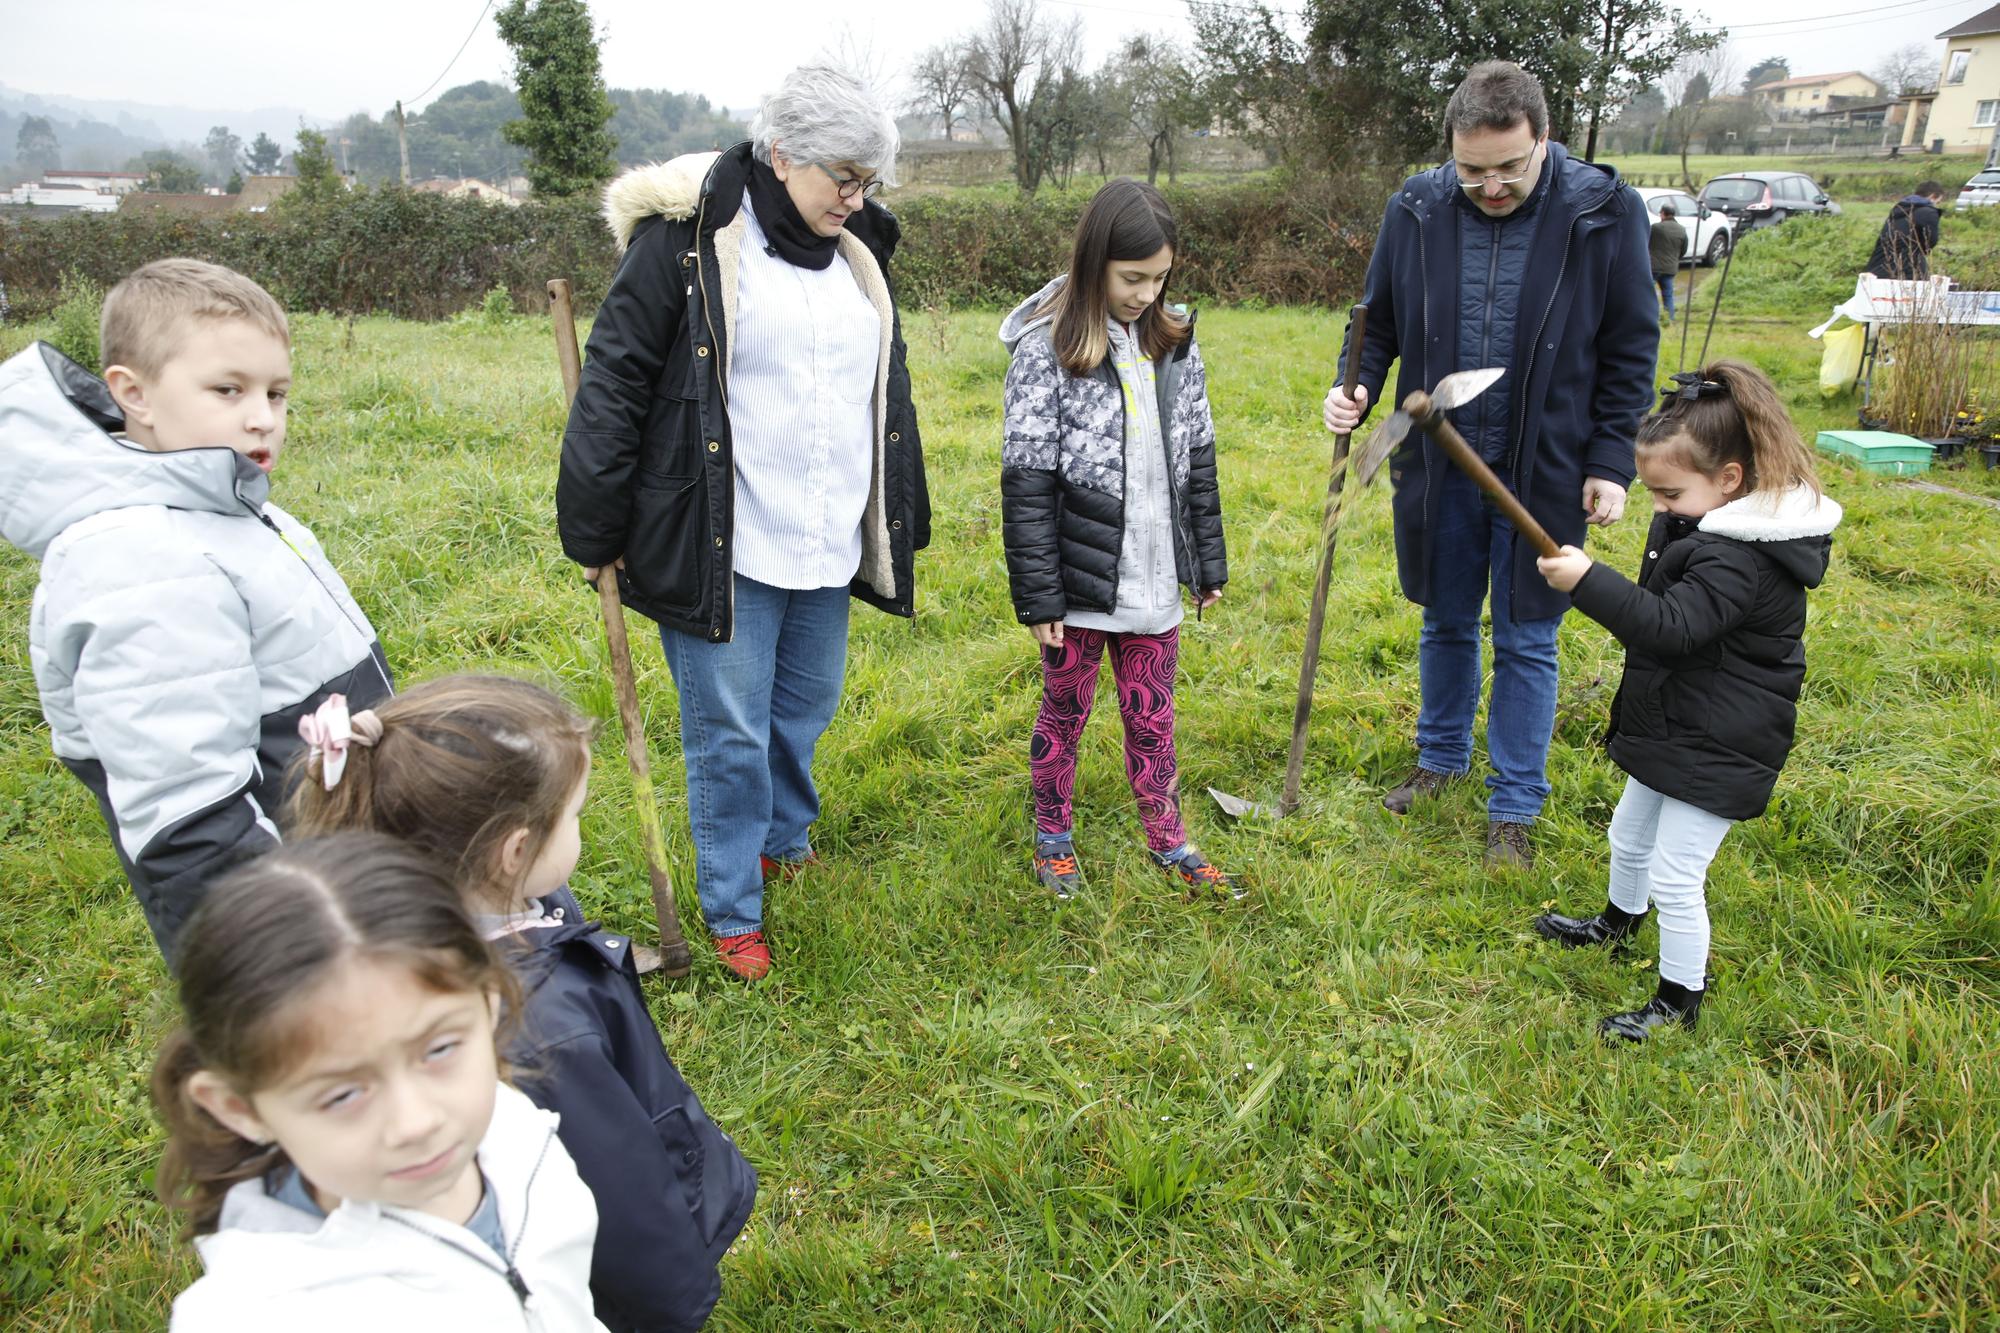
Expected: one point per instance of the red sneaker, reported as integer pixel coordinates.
(745, 955)
(787, 870)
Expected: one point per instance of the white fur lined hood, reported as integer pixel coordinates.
(1762, 517)
(659, 189)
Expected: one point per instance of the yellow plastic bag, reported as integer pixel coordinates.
(1840, 363)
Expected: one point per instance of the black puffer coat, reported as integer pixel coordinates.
(1714, 648)
(672, 1190)
(648, 458)
(1909, 234)
(1062, 475)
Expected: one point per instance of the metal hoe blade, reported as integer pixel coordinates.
(1460, 389)
(1452, 391)
(1237, 808)
(1380, 445)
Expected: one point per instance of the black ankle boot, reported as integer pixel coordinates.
(1671, 1004)
(1613, 926)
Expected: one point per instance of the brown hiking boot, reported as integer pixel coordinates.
(1507, 846)
(1422, 784)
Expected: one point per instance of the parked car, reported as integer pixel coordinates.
(1983, 188)
(1766, 198)
(1710, 234)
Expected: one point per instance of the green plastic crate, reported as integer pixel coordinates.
(1879, 450)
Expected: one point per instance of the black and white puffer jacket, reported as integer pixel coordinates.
(182, 626)
(1062, 474)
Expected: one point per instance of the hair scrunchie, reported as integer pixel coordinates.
(329, 730)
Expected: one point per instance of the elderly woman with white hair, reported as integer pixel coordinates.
(743, 447)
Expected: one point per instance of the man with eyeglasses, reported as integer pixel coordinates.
(1511, 254)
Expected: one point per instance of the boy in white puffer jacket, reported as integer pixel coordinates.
(183, 624)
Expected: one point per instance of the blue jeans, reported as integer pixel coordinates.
(1472, 547)
(1666, 282)
(752, 709)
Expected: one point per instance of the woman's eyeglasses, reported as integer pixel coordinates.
(849, 186)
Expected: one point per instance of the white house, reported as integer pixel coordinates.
(116, 182)
(76, 198)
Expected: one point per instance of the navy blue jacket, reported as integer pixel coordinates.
(1580, 372)
(672, 1190)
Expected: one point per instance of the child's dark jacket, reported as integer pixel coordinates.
(672, 1190)
(1715, 654)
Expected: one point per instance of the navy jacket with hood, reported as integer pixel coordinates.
(672, 1189)
(1579, 363)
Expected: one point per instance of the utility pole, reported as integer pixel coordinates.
(403, 142)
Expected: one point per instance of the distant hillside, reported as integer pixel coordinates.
(457, 134)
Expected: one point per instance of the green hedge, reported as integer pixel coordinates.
(424, 256)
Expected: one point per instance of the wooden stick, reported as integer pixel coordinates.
(1439, 428)
(1357, 332)
(674, 959)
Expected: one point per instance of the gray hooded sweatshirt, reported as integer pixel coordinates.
(182, 626)
(1149, 591)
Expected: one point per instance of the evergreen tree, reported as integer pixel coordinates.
(35, 147)
(561, 87)
(264, 155)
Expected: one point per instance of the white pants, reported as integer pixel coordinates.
(1660, 851)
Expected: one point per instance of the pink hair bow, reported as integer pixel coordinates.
(329, 730)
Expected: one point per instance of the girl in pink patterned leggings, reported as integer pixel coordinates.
(1109, 504)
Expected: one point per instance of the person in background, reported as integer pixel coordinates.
(1909, 234)
(1667, 244)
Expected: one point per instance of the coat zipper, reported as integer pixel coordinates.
(1424, 284)
(506, 1269)
(1492, 292)
(279, 533)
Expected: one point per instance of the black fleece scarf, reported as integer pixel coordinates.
(791, 239)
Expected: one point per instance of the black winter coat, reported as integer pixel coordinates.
(648, 459)
(672, 1190)
(1579, 372)
(1909, 234)
(1714, 649)
(1062, 473)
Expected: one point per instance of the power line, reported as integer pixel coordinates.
(454, 60)
(1876, 11)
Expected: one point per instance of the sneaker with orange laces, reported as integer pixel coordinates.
(748, 956)
(1202, 879)
(1056, 868)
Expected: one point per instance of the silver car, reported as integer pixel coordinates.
(1710, 232)
(1981, 189)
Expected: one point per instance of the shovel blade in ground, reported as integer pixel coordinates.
(1237, 808)
(1452, 391)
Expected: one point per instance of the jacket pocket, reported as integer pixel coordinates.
(663, 548)
(690, 1164)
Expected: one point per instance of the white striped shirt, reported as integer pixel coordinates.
(801, 415)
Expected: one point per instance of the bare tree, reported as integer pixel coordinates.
(1015, 59)
(1691, 88)
(1163, 97)
(1906, 70)
(941, 84)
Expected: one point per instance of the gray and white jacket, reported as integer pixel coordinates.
(181, 627)
(1076, 506)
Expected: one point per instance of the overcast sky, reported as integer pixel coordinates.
(330, 59)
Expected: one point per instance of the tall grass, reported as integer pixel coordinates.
(1367, 1099)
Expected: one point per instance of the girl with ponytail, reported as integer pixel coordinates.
(1714, 660)
(488, 776)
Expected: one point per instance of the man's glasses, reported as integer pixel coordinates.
(1499, 177)
(849, 186)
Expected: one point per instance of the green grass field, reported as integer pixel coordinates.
(1364, 1099)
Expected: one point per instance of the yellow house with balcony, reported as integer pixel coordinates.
(1963, 114)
